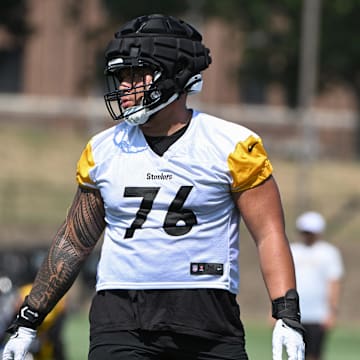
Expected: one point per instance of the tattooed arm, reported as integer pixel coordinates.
(71, 245)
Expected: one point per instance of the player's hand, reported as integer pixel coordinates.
(292, 340)
(19, 344)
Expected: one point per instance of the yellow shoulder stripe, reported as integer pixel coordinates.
(84, 166)
(249, 164)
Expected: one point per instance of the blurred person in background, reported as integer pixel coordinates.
(168, 186)
(319, 269)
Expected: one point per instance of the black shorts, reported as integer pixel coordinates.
(166, 324)
(208, 313)
(162, 345)
(314, 339)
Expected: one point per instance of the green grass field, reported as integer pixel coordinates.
(343, 342)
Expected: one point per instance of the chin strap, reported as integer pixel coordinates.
(287, 308)
(137, 115)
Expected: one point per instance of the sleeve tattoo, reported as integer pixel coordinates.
(73, 242)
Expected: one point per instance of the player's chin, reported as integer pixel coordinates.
(126, 104)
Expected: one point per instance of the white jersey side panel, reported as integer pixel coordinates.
(171, 221)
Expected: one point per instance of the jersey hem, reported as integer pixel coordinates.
(163, 286)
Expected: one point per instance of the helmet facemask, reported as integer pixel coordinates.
(132, 91)
(134, 94)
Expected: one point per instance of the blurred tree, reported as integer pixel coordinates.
(120, 9)
(14, 29)
(273, 40)
(13, 18)
(340, 45)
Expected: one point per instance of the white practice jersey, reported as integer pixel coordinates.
(171, 220)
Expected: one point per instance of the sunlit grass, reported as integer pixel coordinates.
(343, 343)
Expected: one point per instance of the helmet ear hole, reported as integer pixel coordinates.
(181, 65)
(182, 73)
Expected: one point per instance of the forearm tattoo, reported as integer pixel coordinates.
(72, 244)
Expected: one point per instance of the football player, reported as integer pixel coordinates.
(168, 186)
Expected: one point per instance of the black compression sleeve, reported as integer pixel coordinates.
(287, 308)
(27, 317)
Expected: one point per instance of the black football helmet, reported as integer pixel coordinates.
(169, 48)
